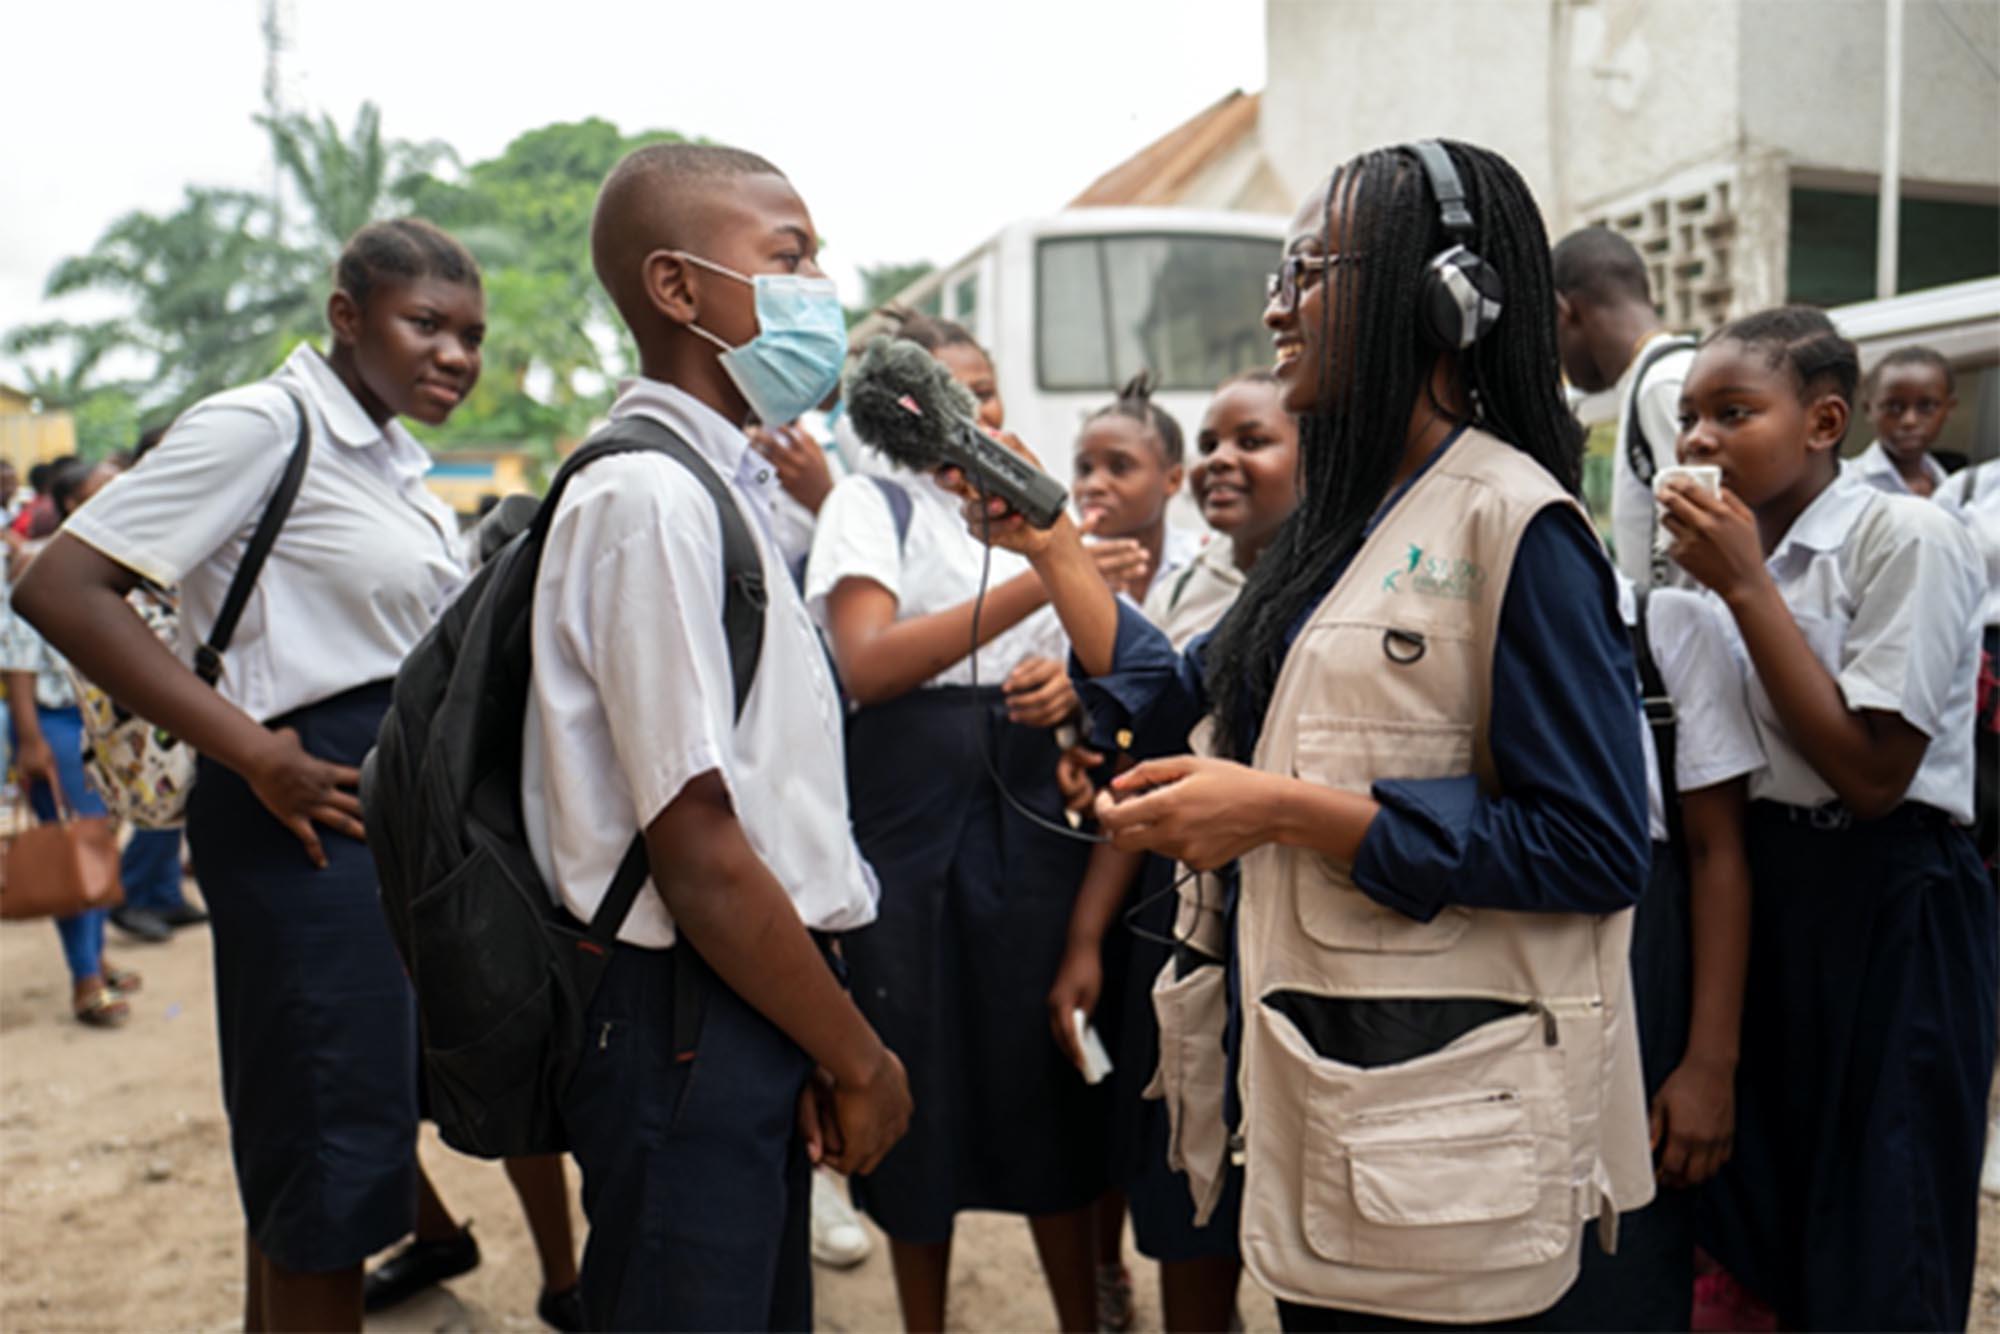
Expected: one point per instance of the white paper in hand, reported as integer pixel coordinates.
(1096, 1062)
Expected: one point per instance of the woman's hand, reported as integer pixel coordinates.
(35, 762)
(302, 791)
(1694, 1122)
(1079, 982)
(1715, 538)
(1121, 560)
(1204, 812)
(1039, 693)
(798, 459)
(1073, 770)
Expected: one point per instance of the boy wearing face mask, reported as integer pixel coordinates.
(695, 1157)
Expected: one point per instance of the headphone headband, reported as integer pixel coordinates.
(1452, 212)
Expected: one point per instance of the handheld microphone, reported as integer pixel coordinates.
(904, 402)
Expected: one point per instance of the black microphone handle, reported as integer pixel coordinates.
(999, 471)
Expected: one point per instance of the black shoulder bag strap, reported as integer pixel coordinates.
(744, 597)
(1638, 449)
(1665, 723)
(208, 657)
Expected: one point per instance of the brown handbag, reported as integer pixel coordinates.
(61, 867)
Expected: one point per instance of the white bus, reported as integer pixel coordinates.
(1074, 304)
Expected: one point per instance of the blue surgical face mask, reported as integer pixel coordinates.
(794, 361)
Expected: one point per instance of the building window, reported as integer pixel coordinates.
(1831, 250)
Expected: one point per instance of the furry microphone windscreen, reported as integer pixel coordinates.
(904, 402)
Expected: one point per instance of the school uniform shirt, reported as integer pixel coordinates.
(1634, 512)
(1973, 495)
(365, 562)
(1715, 738)
(936, 567)
(632, 694)
(1179, 549)
(1873, 467)
(1885, 589)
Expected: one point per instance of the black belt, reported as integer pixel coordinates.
(1832, 817)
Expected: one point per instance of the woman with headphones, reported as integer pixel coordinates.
(1415, 733)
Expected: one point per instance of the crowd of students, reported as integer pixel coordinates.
(1363, 785)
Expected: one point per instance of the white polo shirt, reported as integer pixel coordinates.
(364, 564)
(1715, 738)
(1973, 494)
(1873, 467)
(934, 569)
(1635, 524)
(1885, 589)
(632, 694)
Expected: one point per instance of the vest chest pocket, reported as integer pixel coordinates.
(1351, 754)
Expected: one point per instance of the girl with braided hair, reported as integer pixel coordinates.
(1852, 1201)
(1414, 732)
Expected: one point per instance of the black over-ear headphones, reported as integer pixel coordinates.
(1462, 294)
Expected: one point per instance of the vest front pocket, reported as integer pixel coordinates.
(1193, 1066)
(1351, 754)
(1455, 1162)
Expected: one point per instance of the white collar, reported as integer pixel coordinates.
(713, 436)
(345, 418)
(1874, 463)
(1824, 525)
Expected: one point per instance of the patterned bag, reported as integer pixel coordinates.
(143, 772)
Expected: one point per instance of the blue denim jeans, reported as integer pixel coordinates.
(151, 870)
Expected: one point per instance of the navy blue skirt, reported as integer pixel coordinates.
(1852, 1201)
(317, 1021)
(955, 971)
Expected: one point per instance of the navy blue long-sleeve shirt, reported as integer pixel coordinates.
(1567, 830)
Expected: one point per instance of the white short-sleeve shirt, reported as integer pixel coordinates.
(1635, 525)
(365, 562)
(1715, 738)
(935, 568)
(632, 693)
(1885, 589)
(1973, 494)
(1873, 467)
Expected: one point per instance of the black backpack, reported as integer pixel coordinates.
(502, 973)
(1639, 450)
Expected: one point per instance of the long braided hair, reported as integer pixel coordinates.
(1376, 362)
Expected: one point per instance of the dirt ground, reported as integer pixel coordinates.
(118, 1211)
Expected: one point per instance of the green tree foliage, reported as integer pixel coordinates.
(879, 282)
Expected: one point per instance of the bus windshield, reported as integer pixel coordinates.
(1187, 305)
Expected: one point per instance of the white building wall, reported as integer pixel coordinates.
(1812, 86)
(1349, 75)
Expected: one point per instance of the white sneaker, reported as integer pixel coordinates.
(838, 1239)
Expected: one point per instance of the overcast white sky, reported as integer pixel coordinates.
(911, 129)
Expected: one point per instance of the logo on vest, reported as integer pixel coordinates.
(1436, 576)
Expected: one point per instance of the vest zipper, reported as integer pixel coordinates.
(1236, 1149)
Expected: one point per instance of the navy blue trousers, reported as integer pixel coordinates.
(1852, 1201)
(695, 1180)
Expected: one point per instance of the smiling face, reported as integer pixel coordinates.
(1908, 407)
(1745, 413)
(1122, 475)
(1299, 326)
(1245, 475)
(969, 366)
(415, 346)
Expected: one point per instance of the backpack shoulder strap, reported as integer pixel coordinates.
(208, 656)
(1662, 718)
(901, 508)
(743, 602)
(1639, 450)
(1181, 582)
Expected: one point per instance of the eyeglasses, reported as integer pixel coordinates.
(1285, 285)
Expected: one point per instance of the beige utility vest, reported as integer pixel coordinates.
(1451, 1187)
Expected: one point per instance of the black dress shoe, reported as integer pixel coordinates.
(418, 1265)
(143, 923)
(564, 1310)
(185, 915)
